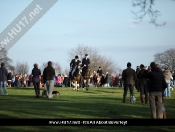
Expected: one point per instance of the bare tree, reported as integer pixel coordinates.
(4, 58)
(43, 65)
(57, 68)
(21, 68)
(66, 71)
(11, 68)
(55, 65)
(146, 8)
(96, 59)
(166, 58)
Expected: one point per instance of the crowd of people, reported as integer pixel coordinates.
(152, 82)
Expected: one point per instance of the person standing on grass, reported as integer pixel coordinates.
(30, 80)
(65, 81)
(163, 106)
(137, 79)
(35, 79)
(9, 78)
(48, 76)
(143, 85)
(167, 75)
(103, 81)
(120, 80)
(107, 79)
(129, 78)
(173, 75)
(156, 87)
(3, 78)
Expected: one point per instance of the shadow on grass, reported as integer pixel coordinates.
(97, 107)
(23, 88)
(73, 105)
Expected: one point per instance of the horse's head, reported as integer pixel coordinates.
(87, 71)
(77, 71)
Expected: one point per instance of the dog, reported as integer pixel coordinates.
(44, 93)
(56, 93)
(132, 99)
(171, 88)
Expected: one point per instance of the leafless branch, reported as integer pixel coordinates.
(146, 8)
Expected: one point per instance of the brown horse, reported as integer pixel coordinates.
(86, 78)
(76, 79)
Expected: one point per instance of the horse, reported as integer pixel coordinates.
(86, 78)
(76, 79)
(98, 80)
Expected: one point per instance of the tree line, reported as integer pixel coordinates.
(165, 58)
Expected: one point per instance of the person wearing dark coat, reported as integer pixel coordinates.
(117, 81)
(95, 78)
(129, 77)
(99, 71)
(30, 80)
(157, 84)
(137, 79)
(173, 75)
(85, 64)
(48, 78)
(107, 79)
(3, 78)
(65, 81)
(103, 80)
(9, 79)
(143, 85)
(120, 80)
(73, 65)
(36, 80)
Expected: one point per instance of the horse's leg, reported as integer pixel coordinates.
(84, 85)
(87, 84)
(75, 85)
(81, 82)
(78, 85)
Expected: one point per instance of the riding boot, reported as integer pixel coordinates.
(146, 98)
(124, 99)
(164, 114)
(142, 99)
(69, 74)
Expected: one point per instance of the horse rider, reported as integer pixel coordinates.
(99, 72)
(85, 64)
(73, 65)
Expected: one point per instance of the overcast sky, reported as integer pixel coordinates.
(103, 24)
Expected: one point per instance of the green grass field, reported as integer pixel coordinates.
(97, 103)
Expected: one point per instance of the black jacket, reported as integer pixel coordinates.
(129, 76)
(103, 81)
(48, 73)
(156, 80)
(3, 74)
(9, 76)
(173, 75)
(74, 63)
(85, 62)
(142, 81)
(99, 71)
(36, 73)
